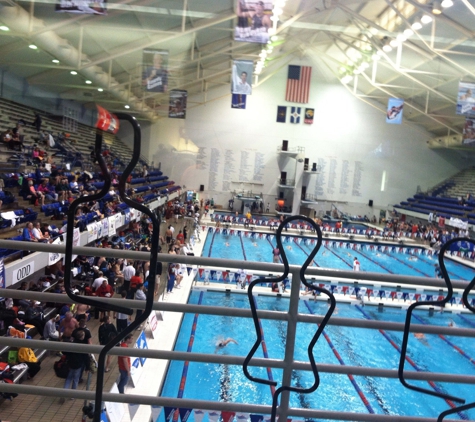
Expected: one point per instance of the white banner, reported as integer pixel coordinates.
(111, 222)
(91, 232)
(23, 272)
(53, 258)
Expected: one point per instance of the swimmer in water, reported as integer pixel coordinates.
(289, 248)
(222, 343)
(255, 244)
(226, 244)
(422, 338)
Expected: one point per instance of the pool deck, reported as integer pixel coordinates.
(48, 409)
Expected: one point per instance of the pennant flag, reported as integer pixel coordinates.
(231, 276)
(169, 412)
(242, 417)
(156, 410)
(219, 274)
(411, 296)
(394, 111)
(298, 84)
(185, 414)
(295, 114)
(423, 297)
(214, 415)
(201, 270)
(188, 270)
(238, 101)
(227, 416)
(281, 114)
(213, 275)
(309, 113)
(199, 415)
(133, 407)
(257, 418)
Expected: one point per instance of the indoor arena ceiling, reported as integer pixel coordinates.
(339, 37)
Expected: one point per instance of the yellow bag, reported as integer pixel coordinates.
(25, 354)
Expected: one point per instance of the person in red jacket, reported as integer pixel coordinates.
(105, 290)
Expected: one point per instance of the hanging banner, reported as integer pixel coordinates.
(295, 114)
(106, 121)
(199, 415)
(238, 101)
(2, 274)
(169, 412)
(253, 21)
(468, 137)
(309, 113)
(133, 407)
(214, 415)
(184, 414)
(242, 77)
(53, 258)
(281, 114)
(466, 98)
(155, 70)
(177, 105)
(156, 410)
(394, 111)
(84, 7)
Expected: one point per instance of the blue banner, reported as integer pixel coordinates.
(394, 112)
(295, 114)
(141, 343)
(2, 274)
(281, 114)
(238, 101)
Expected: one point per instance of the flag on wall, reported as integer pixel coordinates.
(177, 104)
(309, 113)
(281, 114)
(394, 111)
(238, 101)
(295, 114)
(298, 84)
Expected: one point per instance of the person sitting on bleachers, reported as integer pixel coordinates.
(35, 196)
(34, 316)
(74, 186)
(28, 233)
(39, 234)
(45, 190)
(63, 189)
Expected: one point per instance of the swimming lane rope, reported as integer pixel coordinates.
(437, 389)
(342, 362)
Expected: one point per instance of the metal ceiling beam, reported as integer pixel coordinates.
(134, 46)
(51, 42)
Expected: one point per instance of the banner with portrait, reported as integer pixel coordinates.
(155, 70)
(466, 98)
(468, 136)
(254, 20)
(238, 101)
(394, 111)
(242, 77)
(82, 7)
(177, 105)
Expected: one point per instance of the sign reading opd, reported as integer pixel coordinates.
(23, 272)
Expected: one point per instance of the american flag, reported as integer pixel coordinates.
(298, 84)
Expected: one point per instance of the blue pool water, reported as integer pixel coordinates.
(337, 254)
(360, 347)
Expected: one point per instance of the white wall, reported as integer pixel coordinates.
(349, 139)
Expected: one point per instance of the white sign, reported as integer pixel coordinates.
(111, 222)
(135, 371)
(153, 323)
(23, 272)
(76, 240)
(53, 258)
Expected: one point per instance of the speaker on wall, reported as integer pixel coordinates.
(285, 145)
(202, 188)
(370, 202)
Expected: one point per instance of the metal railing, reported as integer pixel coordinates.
(292, 317)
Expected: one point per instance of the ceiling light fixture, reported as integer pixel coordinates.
(375, 57)
(33, 46)
(394, 43)
(127, 106)
(55, 61)
(426, 19)
(346, 79)
(73, 72)
(88, 82)
(4, 28)
(386, 45)
(408, 32)
(100, 89)
(416, 26)
(447, 3)
(436, 7)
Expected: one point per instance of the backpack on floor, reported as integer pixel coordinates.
(61, 367)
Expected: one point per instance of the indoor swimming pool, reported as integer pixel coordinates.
(338, 346)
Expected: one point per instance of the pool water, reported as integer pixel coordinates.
(334, 254)
(359, 347)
